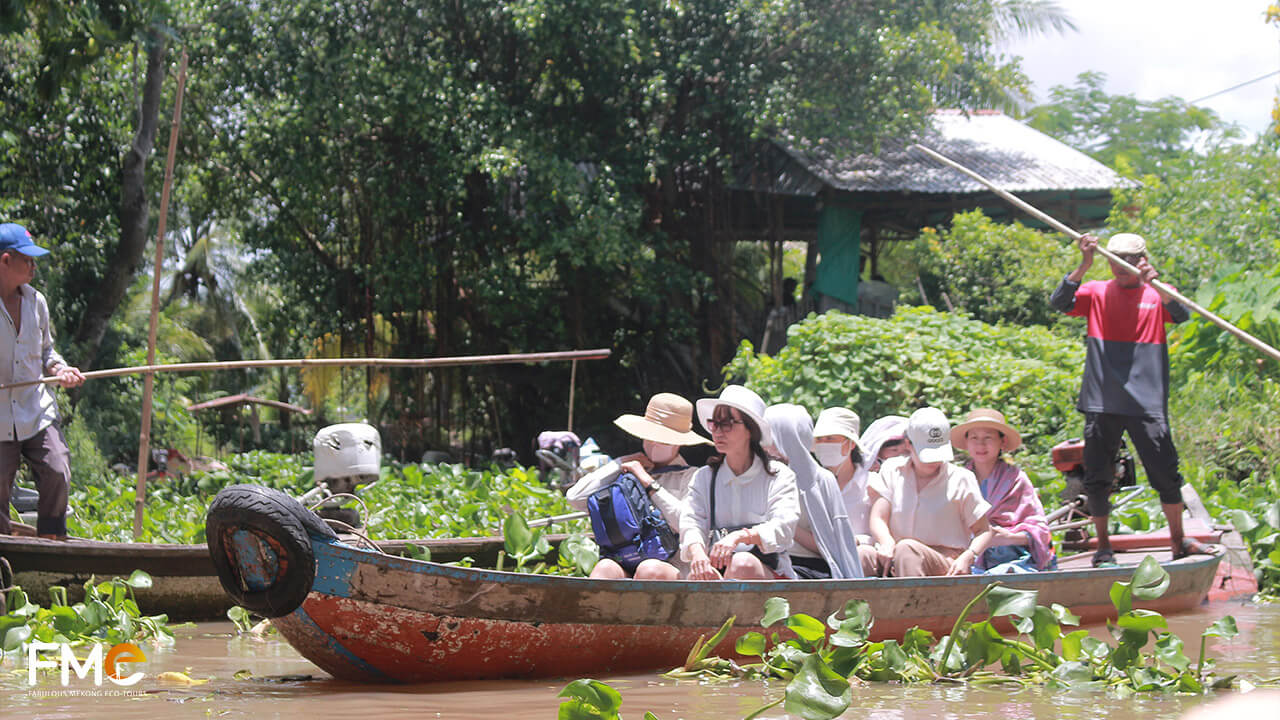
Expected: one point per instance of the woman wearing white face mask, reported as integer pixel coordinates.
(666, 426)
(836, 446)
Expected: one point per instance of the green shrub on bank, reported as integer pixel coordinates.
(995, 271)
(923, 357)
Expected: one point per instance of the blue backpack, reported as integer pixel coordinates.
(628, 527)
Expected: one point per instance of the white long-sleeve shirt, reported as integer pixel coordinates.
(27, 355)
(769, 505)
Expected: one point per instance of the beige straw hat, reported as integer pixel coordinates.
(668, 418)
(990, 419)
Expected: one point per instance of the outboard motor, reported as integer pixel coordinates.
(346, 455)
(1068, 459)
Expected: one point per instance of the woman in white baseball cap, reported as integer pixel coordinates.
(743, 506)
(930, 517)
(665, 427)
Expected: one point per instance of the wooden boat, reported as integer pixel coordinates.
(365, 616)
(184, 582)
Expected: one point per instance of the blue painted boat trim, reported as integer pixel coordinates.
(334, 571)
(336, 562)
(338, 648)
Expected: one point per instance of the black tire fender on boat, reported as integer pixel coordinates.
(283, 528)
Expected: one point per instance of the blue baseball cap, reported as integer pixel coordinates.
(15, 237)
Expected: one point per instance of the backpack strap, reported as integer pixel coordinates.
(668, 468)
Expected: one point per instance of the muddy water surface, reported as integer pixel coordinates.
(279, 684)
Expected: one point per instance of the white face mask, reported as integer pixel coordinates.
(831, 455)
(660, 453)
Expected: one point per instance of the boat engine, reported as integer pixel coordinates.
(348, 456)
(1068, 459)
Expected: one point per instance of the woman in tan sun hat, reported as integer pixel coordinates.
(665, 427)
(1021, 541)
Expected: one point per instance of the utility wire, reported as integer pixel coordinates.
(1234, 87)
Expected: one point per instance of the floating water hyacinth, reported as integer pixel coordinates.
(821, 660)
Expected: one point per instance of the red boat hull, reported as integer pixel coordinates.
(373, 617)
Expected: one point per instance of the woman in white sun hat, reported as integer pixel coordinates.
(665, 427)
(743, 506)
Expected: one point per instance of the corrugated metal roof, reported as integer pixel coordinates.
(1005, 151)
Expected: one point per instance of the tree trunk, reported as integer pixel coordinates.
(133, 212)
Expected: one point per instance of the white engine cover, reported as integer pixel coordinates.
(347, 449)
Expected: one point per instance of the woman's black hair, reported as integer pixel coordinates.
(855, 455)
(757, 449)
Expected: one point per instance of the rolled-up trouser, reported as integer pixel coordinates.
(1153, 441)
(912, 558)
(47, 453)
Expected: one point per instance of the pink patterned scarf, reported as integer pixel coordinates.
(1016, 506)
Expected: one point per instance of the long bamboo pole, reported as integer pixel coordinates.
(144, 437)
(1074, 235)
(507, 359)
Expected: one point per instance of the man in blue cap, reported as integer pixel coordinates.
(29, 414)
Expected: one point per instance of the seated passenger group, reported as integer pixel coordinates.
(784, 497)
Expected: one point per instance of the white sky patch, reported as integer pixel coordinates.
(1185, 48)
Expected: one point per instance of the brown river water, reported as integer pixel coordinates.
(282, 685)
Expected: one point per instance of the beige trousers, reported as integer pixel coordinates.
(912, 558)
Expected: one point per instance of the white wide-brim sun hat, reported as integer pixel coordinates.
(744, 401)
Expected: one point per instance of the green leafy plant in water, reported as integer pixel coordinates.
(592, 700)
(1262, 533)
(522, 543)
(408, 501)
(241, 618)
(820, 659)
(109, 614)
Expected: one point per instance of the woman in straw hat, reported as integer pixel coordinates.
(1021, 541)
(743, 506)
(665, 427)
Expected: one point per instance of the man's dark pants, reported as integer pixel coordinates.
(1103, 433)
(47, 453)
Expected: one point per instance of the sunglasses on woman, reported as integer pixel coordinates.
(723, 425)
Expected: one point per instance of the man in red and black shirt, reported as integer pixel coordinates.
(1126, 381)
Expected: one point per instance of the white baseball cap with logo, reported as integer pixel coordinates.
(930, 434)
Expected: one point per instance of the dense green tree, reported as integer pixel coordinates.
(72, 99)
(1135, 137)
(996, 272)
(457, 177)
(493, 176)
(1209, 210)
